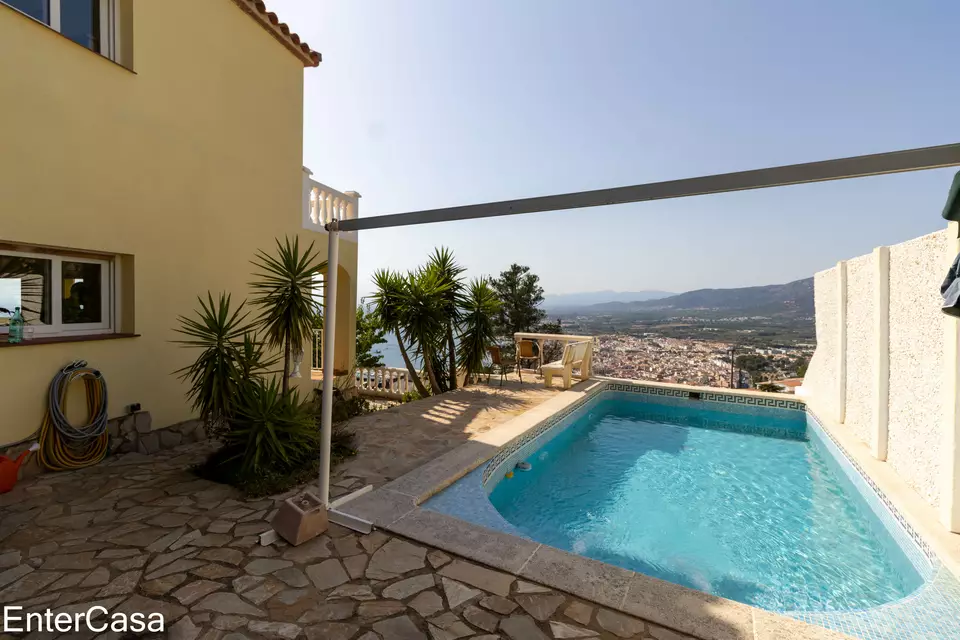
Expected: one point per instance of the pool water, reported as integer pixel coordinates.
(740, 505)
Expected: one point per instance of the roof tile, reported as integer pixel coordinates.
(280, 30)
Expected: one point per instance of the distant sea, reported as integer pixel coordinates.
(391, 354)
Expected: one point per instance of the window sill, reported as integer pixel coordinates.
(59, 339)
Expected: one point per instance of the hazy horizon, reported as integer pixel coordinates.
(427, 103)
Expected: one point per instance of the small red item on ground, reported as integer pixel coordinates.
(9, 469)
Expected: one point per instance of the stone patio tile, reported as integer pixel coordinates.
(69, 562)
(214, 571)
(260, 594)
(427, 603)
(564, 630)
(480, 577)
(394, 559)
(13, 574)
(453, 535)
(480, 618)
(579, 611)
(316, 549)
(263, 566)
(282, 630)
(691, 612)
(381, 507)
(123, 584)
(292, 577)
(226, 602)
(227, 555)
(583, 577)
(369, 611)
(177, 566)
(457, 593)
(331, 631)
(163, 585)
(521, 628)
(28, 585)
(356, 566)
(403, 589)
(327, 574)
(9, 559)
(399, 628)
(328, 611)
(620, 625)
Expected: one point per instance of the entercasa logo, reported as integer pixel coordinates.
(15, 620)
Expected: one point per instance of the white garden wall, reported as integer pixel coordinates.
(917, 333)
(861, 345)
(886, 362)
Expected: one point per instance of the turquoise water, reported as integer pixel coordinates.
(742, 506)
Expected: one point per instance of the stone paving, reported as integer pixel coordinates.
(141, 533)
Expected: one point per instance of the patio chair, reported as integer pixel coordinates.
(526, 350)
(574, 355)
(501, 363)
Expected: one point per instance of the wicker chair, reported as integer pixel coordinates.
(502, 364)
(526, 350)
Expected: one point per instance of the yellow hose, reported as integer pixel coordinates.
(63, 446)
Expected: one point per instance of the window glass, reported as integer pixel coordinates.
(82, 292)
(39, 9)
(80, 21)
(25, 283)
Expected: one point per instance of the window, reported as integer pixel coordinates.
(58, 295)
(90, 23)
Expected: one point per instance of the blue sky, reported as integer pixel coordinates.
(431, 103)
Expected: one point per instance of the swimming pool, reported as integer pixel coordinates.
(752, 503)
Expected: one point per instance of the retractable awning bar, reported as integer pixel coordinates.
(838, 169)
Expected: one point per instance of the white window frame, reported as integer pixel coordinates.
(108, 24)
(108, 297)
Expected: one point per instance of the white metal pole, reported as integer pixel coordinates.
(329, 337)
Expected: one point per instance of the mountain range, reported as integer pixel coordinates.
(587, 298)
(793, 298)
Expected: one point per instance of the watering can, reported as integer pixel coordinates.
(9, 468)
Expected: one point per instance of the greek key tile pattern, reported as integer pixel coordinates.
(709, 396)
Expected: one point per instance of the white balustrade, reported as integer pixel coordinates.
(321, 204)
(383, 382)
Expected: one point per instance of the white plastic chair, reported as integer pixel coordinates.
(575, 355)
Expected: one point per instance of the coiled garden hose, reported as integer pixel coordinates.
(62, 445)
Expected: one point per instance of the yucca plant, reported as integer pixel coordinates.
(228, 357)
(387, 306)
(422, 316)
(284, 286)
(449, 274)
(271, 427)
(478, 330)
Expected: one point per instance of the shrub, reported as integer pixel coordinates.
(270, 428)
(409, 396)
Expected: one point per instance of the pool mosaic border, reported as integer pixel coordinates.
(709, 396)
(875, 490)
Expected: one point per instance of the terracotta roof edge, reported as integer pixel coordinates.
(257, 10)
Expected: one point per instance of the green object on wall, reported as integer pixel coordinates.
(951, 211)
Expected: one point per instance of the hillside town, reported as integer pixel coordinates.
(699, 362)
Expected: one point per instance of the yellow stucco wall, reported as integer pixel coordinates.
(189, 164)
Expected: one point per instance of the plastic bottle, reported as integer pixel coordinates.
(16, 326)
